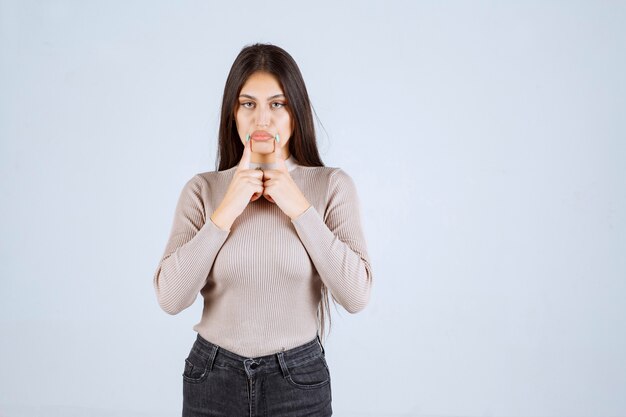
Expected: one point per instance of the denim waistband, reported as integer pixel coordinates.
(259, 365)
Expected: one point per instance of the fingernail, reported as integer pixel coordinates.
(248, 137)
(277, 138)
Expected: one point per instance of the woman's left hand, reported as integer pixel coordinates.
(280, 188)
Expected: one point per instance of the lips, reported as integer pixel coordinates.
(261, 135)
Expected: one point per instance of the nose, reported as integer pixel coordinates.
(263, 117)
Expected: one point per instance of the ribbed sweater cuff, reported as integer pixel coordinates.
(307, 219)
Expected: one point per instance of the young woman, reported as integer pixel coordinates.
(264, 239)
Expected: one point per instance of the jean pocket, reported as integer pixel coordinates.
(310, 375)
(196, 368)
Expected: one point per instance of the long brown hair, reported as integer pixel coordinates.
(302, 143)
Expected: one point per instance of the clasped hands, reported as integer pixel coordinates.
(278, 186)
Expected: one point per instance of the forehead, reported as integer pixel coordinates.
(263, 84)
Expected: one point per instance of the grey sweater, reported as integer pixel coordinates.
(261, 279)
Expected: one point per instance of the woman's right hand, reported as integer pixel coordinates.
(245, 187)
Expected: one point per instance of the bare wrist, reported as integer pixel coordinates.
(302, 210)
(218, 220)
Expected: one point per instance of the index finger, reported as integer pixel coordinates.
(244, 163)
(278, 159)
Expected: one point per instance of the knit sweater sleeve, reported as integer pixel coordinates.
(191, 249)
(336, 244)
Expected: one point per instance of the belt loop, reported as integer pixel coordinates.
(320, 343)
(283, 366)
(212, 356)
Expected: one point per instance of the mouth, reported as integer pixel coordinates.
(261, 135)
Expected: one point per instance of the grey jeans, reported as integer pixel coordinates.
(294, 382)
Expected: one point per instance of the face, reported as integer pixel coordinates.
(262, 110)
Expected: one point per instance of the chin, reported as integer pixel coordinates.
(263, 147)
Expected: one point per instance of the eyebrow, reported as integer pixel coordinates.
(269, 98)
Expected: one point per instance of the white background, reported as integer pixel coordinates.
(486, 140)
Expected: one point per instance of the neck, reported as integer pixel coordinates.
(266, 158)
(289, 161)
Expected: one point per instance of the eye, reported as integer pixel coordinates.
(247, 104)
(277, 105)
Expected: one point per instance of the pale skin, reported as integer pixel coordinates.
(262, 106)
